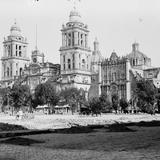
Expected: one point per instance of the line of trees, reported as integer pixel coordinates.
(146, 96)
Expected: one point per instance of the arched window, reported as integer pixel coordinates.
(133, 62)
(83, 63)
(69, 39)
(8, 71)
(20, 71)
(69, 64)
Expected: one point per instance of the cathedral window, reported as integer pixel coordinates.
(73, 56)
(81, 42)
(9, 51)
(11, 69)
(69, 64)
(136, 61)
(69, 39)
(64, 58)
(8, 71)
(78, 38)
(20, 71)
(83, 63)
(20, 52)
(72, 38)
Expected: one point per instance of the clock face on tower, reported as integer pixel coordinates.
(34, 60)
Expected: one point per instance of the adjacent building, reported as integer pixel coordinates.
(119, 73)
(39, 71)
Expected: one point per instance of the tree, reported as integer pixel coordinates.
(73, 97)
(115, 102)
(19, 95)
(45, 93)
(158, 99)
(106, 104)
(146, 93)
(95, 106)
(123, 103)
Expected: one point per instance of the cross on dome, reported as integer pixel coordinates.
(74, 3)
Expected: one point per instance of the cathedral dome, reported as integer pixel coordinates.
(15, 30)
(74, 16)
(138, 58)
(136, 53)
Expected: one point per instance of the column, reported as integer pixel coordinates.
(84, 43)
(75, 38)
(128, 83)
(86, 40)
(2, 72)
(99, 78)
(66, 39)
(63, 40)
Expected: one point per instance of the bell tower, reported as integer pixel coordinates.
(75, 57)
(14, 54)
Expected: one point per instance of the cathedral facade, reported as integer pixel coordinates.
(119, 73)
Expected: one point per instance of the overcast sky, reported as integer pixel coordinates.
(116, 24)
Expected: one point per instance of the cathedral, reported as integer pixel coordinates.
(79, 66)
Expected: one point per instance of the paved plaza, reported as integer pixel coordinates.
(66, 121)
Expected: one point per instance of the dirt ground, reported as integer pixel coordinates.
(138, 143)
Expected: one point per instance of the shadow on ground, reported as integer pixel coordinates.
(20, 141)
(144, 124)
(119, 127)
(3, 158)
(11, 127)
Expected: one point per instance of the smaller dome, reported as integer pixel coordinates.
(36, 52)
(96, 57)
(15, 29)
(74, 16)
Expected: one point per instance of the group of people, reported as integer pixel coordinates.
(19, 115)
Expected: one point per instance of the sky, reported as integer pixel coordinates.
(116, 24)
